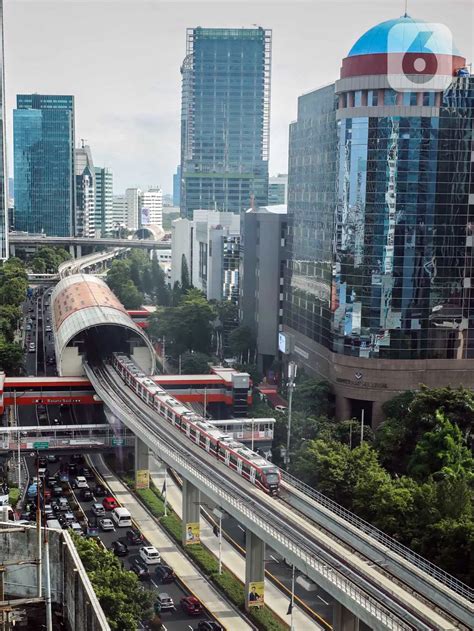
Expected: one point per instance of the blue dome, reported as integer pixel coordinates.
(409, 36)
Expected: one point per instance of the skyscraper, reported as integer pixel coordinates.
(151, 207)
(104, 201)
(85, 193)
(278, 189)
(43, 130)
(177, 187)
(378, 294)
(3, 156)
(225, 119)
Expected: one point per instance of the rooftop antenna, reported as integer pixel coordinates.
(406, 9)
(83, 142)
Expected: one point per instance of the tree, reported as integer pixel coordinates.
(129, 295)
(160, 290)
(46, 260)
(195, 364)
(185, 278)
(186, 327)
(442, 452)
(313, 396)
(121, 597)
(242, 342)
(11, 356)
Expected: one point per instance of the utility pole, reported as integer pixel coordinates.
(205, 402)
(292, 368)
(292, 624)
(362, 426)
(39, 570)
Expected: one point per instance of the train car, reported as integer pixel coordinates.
(233, 454)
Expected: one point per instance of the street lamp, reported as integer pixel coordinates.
(219, 514)
(292, 368)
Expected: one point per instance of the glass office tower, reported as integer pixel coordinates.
(3, 154)
(378, 293)
(43, 132)
(225, 119)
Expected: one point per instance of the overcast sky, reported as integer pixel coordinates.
(121, 60)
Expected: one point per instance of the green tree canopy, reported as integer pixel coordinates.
(46, 260)
(195, 363)
(242, 342)
(11, 356)
(120, 594)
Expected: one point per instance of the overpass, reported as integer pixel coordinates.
(371, 576)
(75, 244)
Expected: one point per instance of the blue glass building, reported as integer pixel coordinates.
(378, 291)
(225, 119)
(43, 132)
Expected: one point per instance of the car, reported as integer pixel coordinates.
(72, 469)
(109, 503)
(119, 549)
(32, 490)
(209, 625)
(99, 491)
(164, 574)
(76, 527)
(150, 555)
(87, 473)
(165, 601)
(41, 461)
(48, 511)
(281, 408)
(48, 329)
(52, 458)
(80, 483)
(106, 524)
(31, 348)
(47, 495)
(140, 569)
(43, 472)
(86, 495)
(191, 606)
(78, 458)
(69, 517)
(134, 537)
(97, 509)
(63, 504)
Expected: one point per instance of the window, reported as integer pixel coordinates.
(372, 98)
(389, 97)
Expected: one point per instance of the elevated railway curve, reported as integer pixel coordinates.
(372, 593)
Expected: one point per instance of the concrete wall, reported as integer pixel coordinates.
(180, 244)
(70, 587)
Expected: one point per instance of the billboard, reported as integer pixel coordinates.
(145, 214)
(283, 343)
(256, 594)
(192, 533)
(142, 479)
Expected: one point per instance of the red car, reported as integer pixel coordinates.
(191, 606)
(109, 503)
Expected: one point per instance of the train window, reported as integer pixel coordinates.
(253, 473)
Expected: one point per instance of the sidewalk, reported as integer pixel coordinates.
(197, 584)
(276, 600)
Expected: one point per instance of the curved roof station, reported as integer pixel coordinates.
(90, 323)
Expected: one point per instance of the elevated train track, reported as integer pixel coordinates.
(374, 594)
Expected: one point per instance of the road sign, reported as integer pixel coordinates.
(118, 442)
(41, 445)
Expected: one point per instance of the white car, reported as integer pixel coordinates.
(48, 329)
(80, 482)
(281, 408)
(150, 555)
(165, 600)
(106, 524)
(98, 509)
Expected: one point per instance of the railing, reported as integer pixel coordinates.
(307, 554)
(392, 544)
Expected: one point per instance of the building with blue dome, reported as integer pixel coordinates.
(378, 287)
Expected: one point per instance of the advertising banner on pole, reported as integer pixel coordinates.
(192, 533)
(256, 594)
(142, 479)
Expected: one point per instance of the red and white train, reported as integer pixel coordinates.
(234, 455)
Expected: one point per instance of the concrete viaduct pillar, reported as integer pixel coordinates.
(254, 571)
(142, 464)
(191, 513)
(343, 619)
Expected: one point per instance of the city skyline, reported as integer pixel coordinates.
(138, 138)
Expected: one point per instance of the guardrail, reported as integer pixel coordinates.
(392, 544)
(247, 512)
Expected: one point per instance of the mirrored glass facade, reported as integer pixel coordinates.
(381, 208)
(225, 119)
(43, 131)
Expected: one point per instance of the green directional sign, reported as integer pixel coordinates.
(118, 442)
(41, 445)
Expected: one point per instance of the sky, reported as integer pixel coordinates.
(121, 60)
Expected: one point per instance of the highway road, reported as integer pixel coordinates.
(174, 620)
